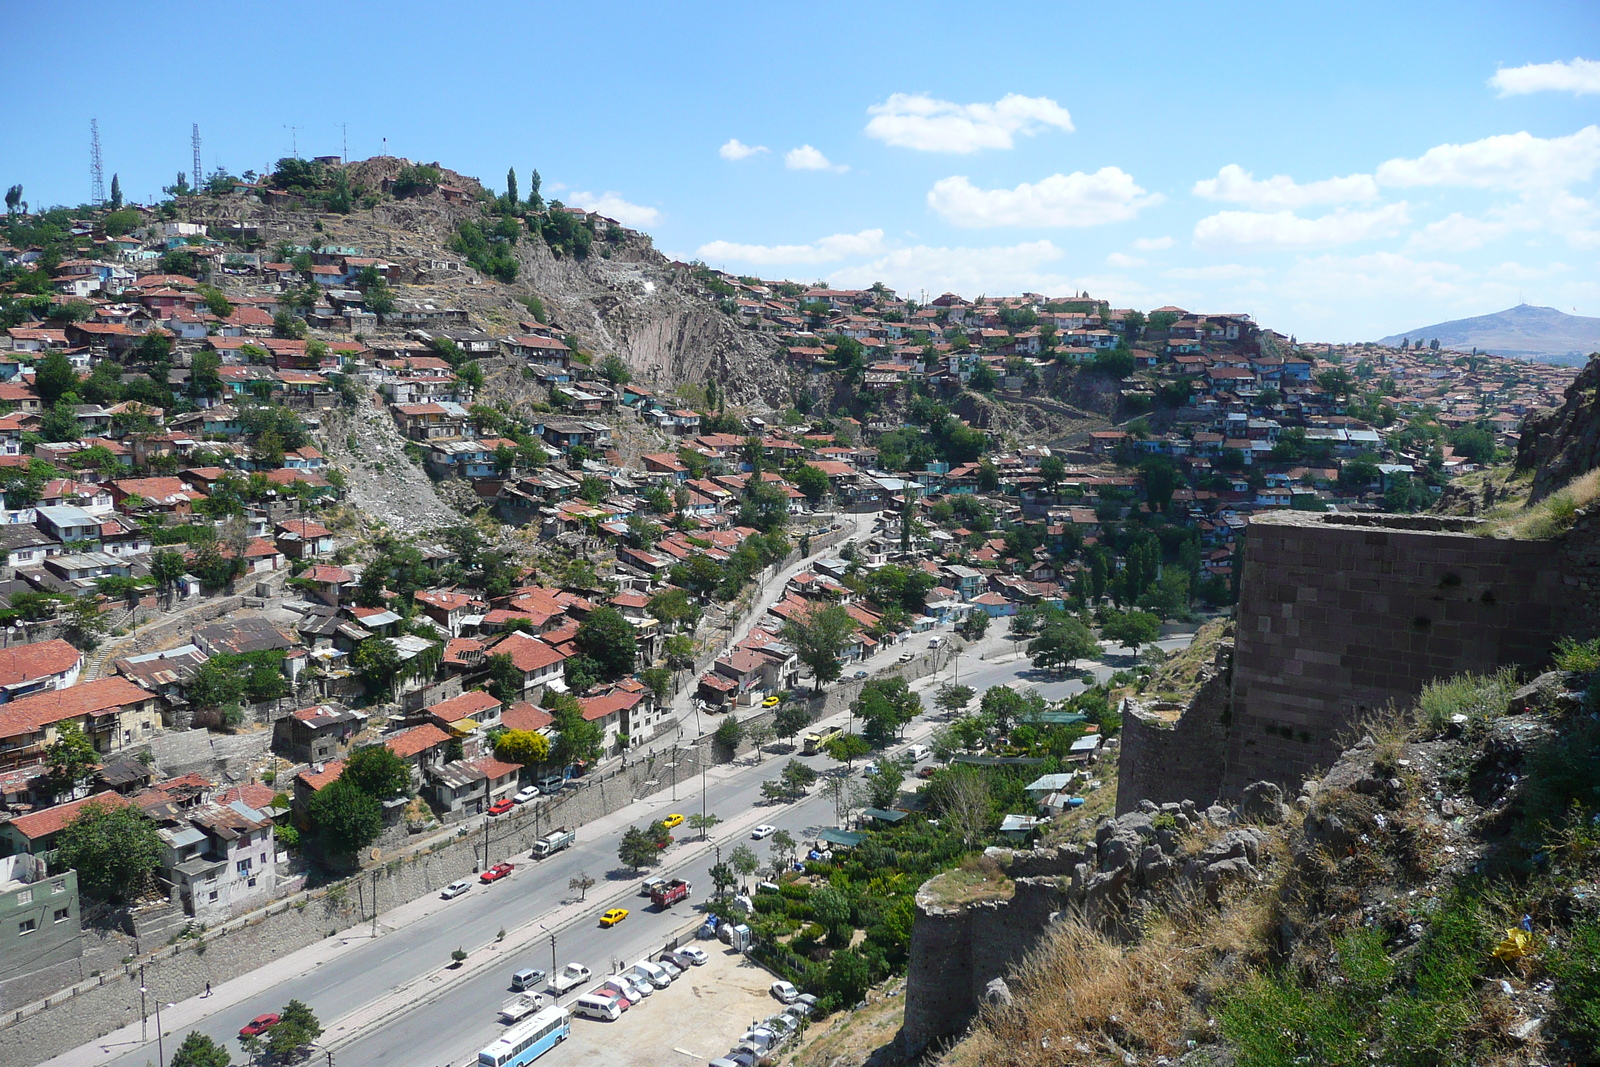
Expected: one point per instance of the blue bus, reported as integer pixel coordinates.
(528, 1040)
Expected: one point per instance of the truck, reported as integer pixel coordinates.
(669, 893)
(815, 742)
(553, 842)
(568, 978)
(520, 1007)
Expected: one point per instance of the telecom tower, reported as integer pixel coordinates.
(97, 173)
(194, 140)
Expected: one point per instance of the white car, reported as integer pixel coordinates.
(526, 795)
(906, 657)
(763, 831)
(785, 992)
(694, 955)
(455, 889)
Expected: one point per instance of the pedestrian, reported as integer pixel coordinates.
(208, 989)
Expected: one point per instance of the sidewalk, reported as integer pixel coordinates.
(188, 1014)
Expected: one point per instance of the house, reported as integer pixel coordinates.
(317, 734)
(425, 748)
(113, 713)
(540, 664)
(329, 581)
(27, 669)
(304, 539)
(39, 910)
(472, 711)
(221, 858)
(467, 787)
(445, 607)
(612, 713)
(35, 834)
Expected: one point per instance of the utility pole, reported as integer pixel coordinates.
(194, 143)
(97, 173)
(161, 1054)
(144, 1014)
(486, 818)
(552, 955)
(374, 921)
(344, 141)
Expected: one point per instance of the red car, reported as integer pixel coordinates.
(497, 872)
(259, 1025)
(500, 807)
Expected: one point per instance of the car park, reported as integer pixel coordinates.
(763, 831)
(605, 1009)
(497, 872)
(670, 964)
(695, 956)
(259, 1025)
(673, 821)
(455, 889)
(784, 991)
(612, 916)
(526, 794)
(500, 807)
(805, 1004)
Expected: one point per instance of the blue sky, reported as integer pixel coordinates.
(1339, 171)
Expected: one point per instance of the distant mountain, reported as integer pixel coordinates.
(1523, 332)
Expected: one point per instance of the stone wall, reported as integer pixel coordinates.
(1342, 615)
(1164, 760)
(202, 750)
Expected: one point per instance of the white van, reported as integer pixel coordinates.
(590, 1006)
(919, 752)
(653, 973)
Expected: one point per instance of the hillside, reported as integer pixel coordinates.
(1523, 332)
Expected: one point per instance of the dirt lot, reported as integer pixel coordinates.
(696, 1019)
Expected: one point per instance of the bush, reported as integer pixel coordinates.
(1477, 696)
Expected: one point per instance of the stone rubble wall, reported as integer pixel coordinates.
(1166, 761)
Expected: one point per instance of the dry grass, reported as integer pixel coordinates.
(1550, 517)
(1178, 678)
(978, 878)
(1084, 999)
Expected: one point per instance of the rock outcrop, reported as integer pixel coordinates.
(1561, 443)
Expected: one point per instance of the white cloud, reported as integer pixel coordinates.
(1506, 161)
(613, 206)
(1580, 77)
(807, 158)
(1125, 261)
(737, 149)
(1076, 199)
(1558, 212)
(1216, 272)
(1152, 244)
(1285, 229)
(827, 250)
(1235, 185)
(927, 124)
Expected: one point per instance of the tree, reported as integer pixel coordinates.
(790, 719)
(54, 376)
(1131, 628)
(638, 849)
(883, 784)
(965, 801)
(797, 777)
(527, 747)
(847, 748)
(14, 199)
(729, 733)
(844, 795)
(1160, 479)
(376, 660)
(297, 1028)
(673, 606)
(115, 203)
(884, 705)
(781, 846)
(703, 822)
(610, 641)
(113, 847)
(505, 679)
(819, 637)
(1062, 639)
(722, 878)
(70, 761)
(511, 189)
(378, 772)
(582, 883)
(346, 818)
(198, 1050)
(1052, 469)
(577, 739)
(954, 698)
(743, 859)
(1000, 706)
(975, 625)
(811, 482)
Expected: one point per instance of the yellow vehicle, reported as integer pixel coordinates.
(673, 821)
(771, 702)
(613, 917)
(815, 742)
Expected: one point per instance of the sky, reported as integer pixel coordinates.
(1340, 172)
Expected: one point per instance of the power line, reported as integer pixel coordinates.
(97, 172)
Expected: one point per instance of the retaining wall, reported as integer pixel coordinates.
(1161, 760)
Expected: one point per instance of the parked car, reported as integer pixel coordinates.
(673, 821)
(907, 657)
(805, 1004)
(259, 1025)
(500, 807)
(695, 956)
(526, 794)
(455, 889)
(784, 991)
(859, 674)
(763, 831)
(613, 916)
(927, 772)
(771, 702)
(551, 784)
(497, 872)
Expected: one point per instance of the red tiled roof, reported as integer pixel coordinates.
(24, 663)
(465, 706)
(42, 824)
(416, 739)
(524, 716)
(32, 713)
(495, 768)
(326, 777)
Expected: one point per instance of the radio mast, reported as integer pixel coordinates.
(97, 173)
(194, 141)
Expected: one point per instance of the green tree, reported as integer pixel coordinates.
(610, 640)
(1131, 628)
(70, 760)
(847, 748)
(975, 625)
(797, 777)
(883, 784)
(512, 200)
(198, 1050)
(954, 698)
(505, 680)
(729, 733)
(577, 740)
(377, 661)
(115, 203)
(297, 1028)
(54, 377)
(113, 847)
(1062, 639)
(703, 822)
(1000, 707)
(812, 482)
(527, 747)
(346, 818)
(884, 705)
(790, 719)
(378, 772)
(674, 606)
(819, 637)
(638, 849)
(723, 878)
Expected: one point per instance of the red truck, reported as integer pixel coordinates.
(665, 896)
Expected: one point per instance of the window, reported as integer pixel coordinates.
(25, 927)
(58, 886)
(62, 915)
(25, 897)
(213, 896)
(244, 866)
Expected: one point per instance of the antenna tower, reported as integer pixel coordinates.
(194, 142)
(97, 171)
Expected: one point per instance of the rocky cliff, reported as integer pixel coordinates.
(1561, 443)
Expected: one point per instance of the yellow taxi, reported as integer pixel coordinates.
(613, 917)
(673, 821)
(771, 702)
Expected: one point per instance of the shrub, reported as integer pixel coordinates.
(1477, 696)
